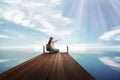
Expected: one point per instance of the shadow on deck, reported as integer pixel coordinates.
(58, 66)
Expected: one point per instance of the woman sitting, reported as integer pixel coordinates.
(50, 46)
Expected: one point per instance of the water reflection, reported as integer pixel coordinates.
(102, 65)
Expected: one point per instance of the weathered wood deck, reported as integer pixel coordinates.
(48, 67)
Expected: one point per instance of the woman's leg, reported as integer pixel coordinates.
(54, 51)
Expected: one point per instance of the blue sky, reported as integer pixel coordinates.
(82, 24)
(25, 23)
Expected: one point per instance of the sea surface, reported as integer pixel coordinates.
(102, 65)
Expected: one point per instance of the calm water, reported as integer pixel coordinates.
(103, 65)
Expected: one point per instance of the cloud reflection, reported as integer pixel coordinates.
(3, 60)
(112, 62)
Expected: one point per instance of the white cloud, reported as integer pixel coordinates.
(16, 16)
(47, 25)
(46, 19)
(3, 36)
(62, 18)
(62, 47)
(4, 60)
(56, 1)
(112, 62)
(73, 48)
(33, 4)
(12, 1)
(114, 34)
(26, 23)
(50, 29)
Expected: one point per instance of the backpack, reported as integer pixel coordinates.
(48, 48)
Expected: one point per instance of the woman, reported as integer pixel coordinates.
(50, 46)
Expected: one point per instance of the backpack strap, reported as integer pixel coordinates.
(48, 47)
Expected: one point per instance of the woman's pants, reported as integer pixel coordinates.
(54, 51)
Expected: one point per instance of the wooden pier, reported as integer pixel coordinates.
(59, 66)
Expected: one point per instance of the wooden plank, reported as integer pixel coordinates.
(58, 66)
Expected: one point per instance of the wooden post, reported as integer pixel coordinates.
(43, 49)
(67, 49)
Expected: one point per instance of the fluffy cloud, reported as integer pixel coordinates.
(3, 36)
(40, 16)
(62, 18)
(14, 15)
(12, 1)
(112, 62)
(33, 4)
(56, 1)
(114, 34)
(21, 1)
